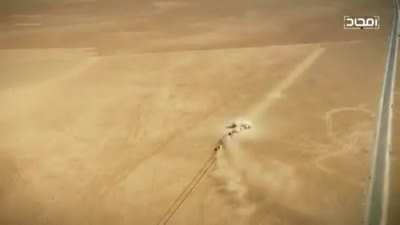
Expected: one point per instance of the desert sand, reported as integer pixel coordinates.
(111, 108)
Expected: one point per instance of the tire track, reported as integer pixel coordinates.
(188, 189)
(271, 97)
(258, 111)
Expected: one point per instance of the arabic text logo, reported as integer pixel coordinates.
(363, 22)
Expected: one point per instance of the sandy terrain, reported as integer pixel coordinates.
(111, 109)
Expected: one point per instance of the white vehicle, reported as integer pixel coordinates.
(233, 128)
(238, 126)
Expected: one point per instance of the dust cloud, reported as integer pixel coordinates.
(249, 186)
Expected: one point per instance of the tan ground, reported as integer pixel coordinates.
(110, 109)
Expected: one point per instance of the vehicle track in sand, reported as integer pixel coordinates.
(269, 99)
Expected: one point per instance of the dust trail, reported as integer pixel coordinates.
(240, 177)
(271, 97)
(229, 172)
(247, 184)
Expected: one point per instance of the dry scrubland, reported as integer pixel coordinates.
(110, 109)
